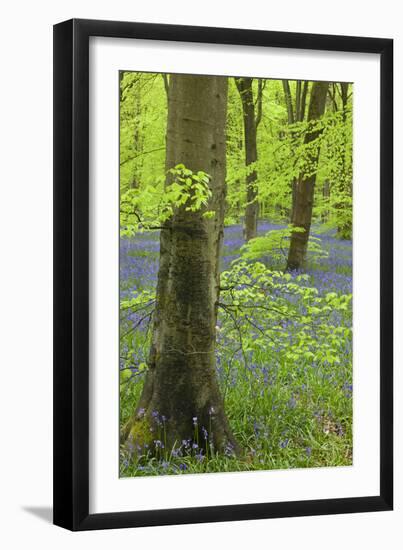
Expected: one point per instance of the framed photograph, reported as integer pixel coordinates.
(223, 239)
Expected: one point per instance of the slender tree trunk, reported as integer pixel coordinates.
(344, 98)
(345, 228)
(293, 117)
(291, 120)
(244, 86)
(121, 75)
(165, 78)
(306, 184)
(326, 197)
(288, 101)
(181, 383)
(137, 139)
(303, 100)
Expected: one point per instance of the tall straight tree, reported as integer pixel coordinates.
(345, 228)
(305, 187)
(295, 113)
(181, 383)
(250, 122)
(342, 187)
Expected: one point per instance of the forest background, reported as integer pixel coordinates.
(281, 165)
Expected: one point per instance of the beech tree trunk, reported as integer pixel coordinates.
(344, 230)
(291, 120)
(305, 186)
(244, 86)
(300, 103)
(326, 197)
(181, 385)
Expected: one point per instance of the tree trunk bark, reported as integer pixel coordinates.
(300, 102)
(181, 387)
(288, 101)
(137, 139)
(344, 230)
(166, 84)
(244, 86)
(326, 197)
(302, 212)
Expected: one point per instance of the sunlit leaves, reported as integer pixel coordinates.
(274, 246)
(149, 207)
(261, 308)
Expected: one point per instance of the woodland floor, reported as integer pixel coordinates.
(284, 416)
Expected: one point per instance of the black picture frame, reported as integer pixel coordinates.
(71, 274)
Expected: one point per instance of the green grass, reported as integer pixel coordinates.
(303, 419)
(284, 414)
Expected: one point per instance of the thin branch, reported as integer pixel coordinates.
(133, 328)
(124, 318)
(238, 329)
(141, 154)
(288, 101)
(141, 223)
(259, 100)
(146, 303)
(134, 375)
(303, 100)
(298, 101)
(166, 84)
(333, 98)
(229, 370)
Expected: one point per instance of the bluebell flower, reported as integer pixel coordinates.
(292, 403)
